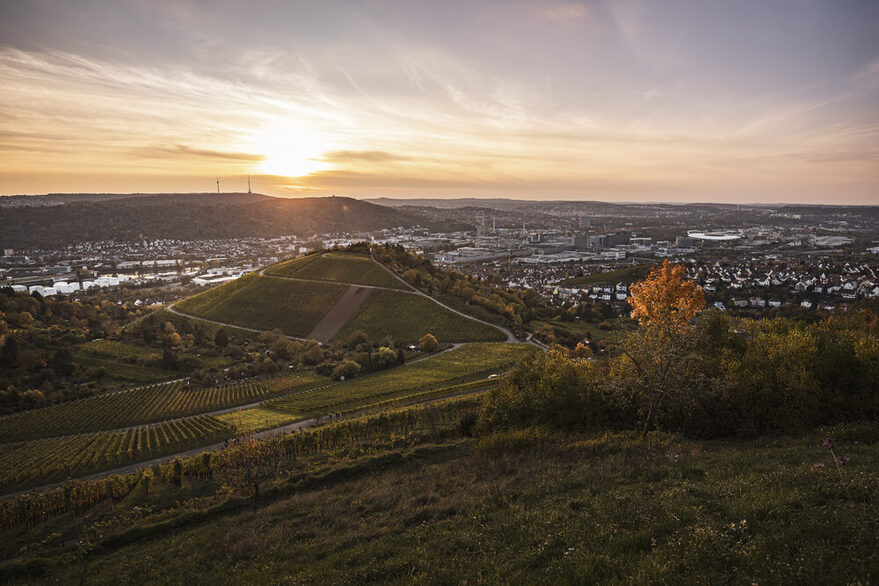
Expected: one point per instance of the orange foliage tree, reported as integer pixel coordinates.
(661, 354)
(664, 299)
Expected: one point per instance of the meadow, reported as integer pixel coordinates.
(264, 303)
(468, 363)
(339, 267)
(528, 506)
(406, 318)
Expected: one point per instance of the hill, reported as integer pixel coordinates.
(330, 296)
(190, 217)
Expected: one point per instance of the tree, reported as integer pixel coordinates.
(428, 343)
(346, 369)
(250, 463)
(661, 353)
(221, 338)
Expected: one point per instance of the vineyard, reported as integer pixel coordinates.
(472, 362)
(338, 267)
(144, 405)
(263, 303)
(46, 460)
(78, 496)
(407, 317)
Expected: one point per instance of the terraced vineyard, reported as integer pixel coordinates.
(339, 267)
(471, 362)
(406, 318)
(143, 405)
(47, 460)
(264, 303)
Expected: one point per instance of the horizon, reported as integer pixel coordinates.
(371, 199)
(626, 102)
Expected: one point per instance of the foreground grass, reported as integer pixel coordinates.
(537, 507)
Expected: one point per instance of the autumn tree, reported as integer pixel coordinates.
(428, 343)
(248, 464)
(661, 353)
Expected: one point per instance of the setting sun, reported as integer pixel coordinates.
(292, 151)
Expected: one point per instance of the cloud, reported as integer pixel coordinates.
(364, 156)
(185, 151)
(566, 13)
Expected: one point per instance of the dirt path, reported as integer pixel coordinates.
(340, 313)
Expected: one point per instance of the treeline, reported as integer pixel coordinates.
(36, 335)
(720, 377)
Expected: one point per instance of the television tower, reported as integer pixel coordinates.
(218, 186)
(248, 184)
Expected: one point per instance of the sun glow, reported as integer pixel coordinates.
(293, 151)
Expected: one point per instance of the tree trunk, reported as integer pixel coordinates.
(647, 421)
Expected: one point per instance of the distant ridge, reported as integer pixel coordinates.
(193, 216)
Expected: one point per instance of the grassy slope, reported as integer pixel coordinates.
(473, 361)
(264, 303)
(567, 509)
(626, 276)
(337, 266)
(406, 318)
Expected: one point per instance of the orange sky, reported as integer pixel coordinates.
(595, 100)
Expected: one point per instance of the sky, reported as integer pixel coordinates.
(628, 100)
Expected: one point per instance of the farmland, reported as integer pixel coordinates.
(339, 267)
(142, 405)
(45, 460)
(406, 318)
(264, 303)
(471, 362)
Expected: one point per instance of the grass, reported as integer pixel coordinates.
(471, 362)
(339, 267)
(257, 419)
(263, 303)
(538, 507)
(406, 318)
(626, 276)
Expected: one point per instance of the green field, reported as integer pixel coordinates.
(119, 360)
(337, 267)
(264, 303)
(142, 405)
(626, 276)
(46, 460)
(256, 419)
(471, 362)
(405, 318)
